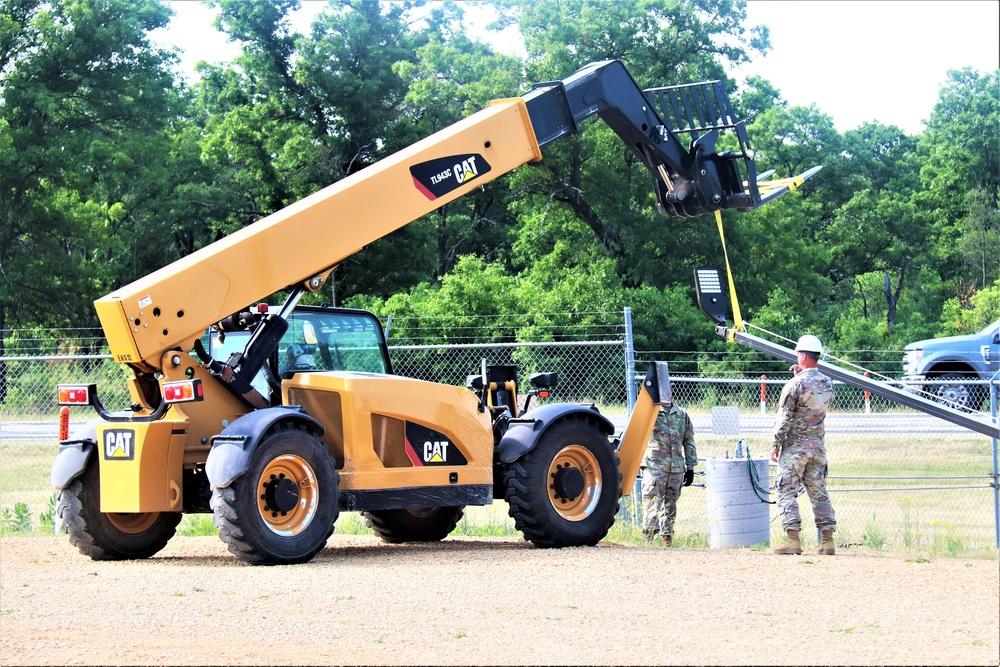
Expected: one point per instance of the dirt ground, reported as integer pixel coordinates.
(496, 602)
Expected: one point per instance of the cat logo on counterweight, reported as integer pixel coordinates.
(119, 444)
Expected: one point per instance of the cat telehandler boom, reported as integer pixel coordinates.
(276, 449)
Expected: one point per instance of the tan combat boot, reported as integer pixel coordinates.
(826, 547)
(794, 547)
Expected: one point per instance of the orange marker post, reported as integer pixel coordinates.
(63, 423)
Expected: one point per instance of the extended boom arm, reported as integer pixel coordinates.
(298, 246)
(688, 181)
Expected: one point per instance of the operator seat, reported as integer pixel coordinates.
(298, 357)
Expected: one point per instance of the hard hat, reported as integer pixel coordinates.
(809, 343)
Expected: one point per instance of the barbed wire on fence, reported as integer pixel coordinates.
(498, 328)
(522, 327)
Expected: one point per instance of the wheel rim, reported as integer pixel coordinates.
(954, 393)
(575, 482)
(288, 495)
(133, 524)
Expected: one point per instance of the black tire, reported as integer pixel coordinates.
(111, 536)
(565, 491)
(959, 396)
(428, 524)
(282, 509)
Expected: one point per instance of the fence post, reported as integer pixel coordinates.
(994, 384)
(763, 395)
(630, 394)
(629, 360)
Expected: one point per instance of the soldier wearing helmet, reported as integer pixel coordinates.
(799, 448)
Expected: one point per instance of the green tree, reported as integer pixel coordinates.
(84, 103)
(982, 308)
(758, 95)
(782, 248)
(295, 113)
(592, 179)
(961, 140)
(778, 249)
(979, 245)
(960, 156)
(451, 80)
(885, 234)
(664, 41)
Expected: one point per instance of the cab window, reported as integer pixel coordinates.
(323, 341)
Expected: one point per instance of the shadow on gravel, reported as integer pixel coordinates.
(343, 553)
(346, 553)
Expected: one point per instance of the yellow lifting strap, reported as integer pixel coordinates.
(732, 287)
(792, 183)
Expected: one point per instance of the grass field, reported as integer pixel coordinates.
(875, 508)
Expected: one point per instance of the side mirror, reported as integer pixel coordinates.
(711, 299)
(543, 380)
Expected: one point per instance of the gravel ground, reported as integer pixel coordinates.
(494, 601)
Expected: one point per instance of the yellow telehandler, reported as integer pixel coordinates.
(303, 418)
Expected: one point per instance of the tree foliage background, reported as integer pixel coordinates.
(112, 165)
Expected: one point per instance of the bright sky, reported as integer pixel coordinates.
(861, 61)
(856, 60)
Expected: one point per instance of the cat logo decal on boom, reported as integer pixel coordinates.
(119, 444)
(436, 178)
(427, 447)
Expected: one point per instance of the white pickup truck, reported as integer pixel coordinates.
(957, 369)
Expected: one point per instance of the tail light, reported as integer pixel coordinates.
(183, 391)
(76, 394)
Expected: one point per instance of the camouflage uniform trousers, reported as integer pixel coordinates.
(660, 491)
(798, 467)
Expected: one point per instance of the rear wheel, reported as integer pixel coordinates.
(111, 535)
(962, 395)
(427, 524)
(282, 509)
(565, 491)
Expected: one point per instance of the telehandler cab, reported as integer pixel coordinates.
(276, 448)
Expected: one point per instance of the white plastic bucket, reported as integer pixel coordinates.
(737, 517)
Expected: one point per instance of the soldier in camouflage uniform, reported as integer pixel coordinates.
(799, 449)
(669, 464)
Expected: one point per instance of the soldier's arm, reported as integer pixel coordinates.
(690, 451)
(786, 410)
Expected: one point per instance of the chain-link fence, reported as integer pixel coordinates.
(897, 476)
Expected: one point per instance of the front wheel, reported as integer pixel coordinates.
(110, 535)
(565, 491)
(282, 509)
(428, 524)
(960, 395)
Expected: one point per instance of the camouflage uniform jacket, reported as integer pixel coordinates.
(802, 409)
(672, 449)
